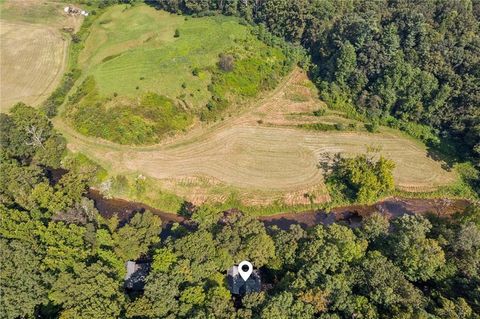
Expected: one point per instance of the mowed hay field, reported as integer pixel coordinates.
(32, 49)
(261, 156)
(133, 51)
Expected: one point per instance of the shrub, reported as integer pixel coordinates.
(372, 127)
(365, 179)
(142, 122)
(56, 99)
(226, 62)
(76, 38)
(319, 112)
(177, 33)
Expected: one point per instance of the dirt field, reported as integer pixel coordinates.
(261, 155)
(33, 50)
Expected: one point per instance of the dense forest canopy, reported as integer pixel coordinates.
(390, 61)
(62, 259)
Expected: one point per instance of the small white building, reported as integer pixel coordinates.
(75, 11)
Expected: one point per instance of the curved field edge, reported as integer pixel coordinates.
(258, 160)
(41, 50)
(174, 57)
(42, 65)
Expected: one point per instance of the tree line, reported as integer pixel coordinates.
(392, 61)
(62, 259)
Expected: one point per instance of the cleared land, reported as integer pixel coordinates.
(33, 50)
(261, 156)
(135, 57)
(33, 58)
(133, 51)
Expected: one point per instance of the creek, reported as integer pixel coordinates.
(351, 215)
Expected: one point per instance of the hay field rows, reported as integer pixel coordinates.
(262, 161)
(33, 58)
(33, 50)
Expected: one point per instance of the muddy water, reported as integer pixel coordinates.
(124, 208)
(351, 215)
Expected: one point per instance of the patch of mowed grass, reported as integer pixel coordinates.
(142, 121)
(137, 48)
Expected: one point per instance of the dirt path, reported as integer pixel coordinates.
(268, 157)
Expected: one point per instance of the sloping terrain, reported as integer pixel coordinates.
(135, 57)
(261, 154)
(33, 50)
(136, 50)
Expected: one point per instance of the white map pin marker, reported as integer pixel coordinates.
(245, 274)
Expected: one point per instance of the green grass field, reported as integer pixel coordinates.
(133, 52)
(137, 48)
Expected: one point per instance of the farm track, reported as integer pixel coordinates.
(271, 157)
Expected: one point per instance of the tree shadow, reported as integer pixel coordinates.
(448, 151)
(154, 4)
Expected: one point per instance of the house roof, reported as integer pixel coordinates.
(136, 274)
(238, 286)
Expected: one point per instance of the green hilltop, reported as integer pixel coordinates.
(138, 52)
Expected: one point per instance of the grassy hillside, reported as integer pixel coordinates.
(137, 48)
(261, 160)
(132, 53)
